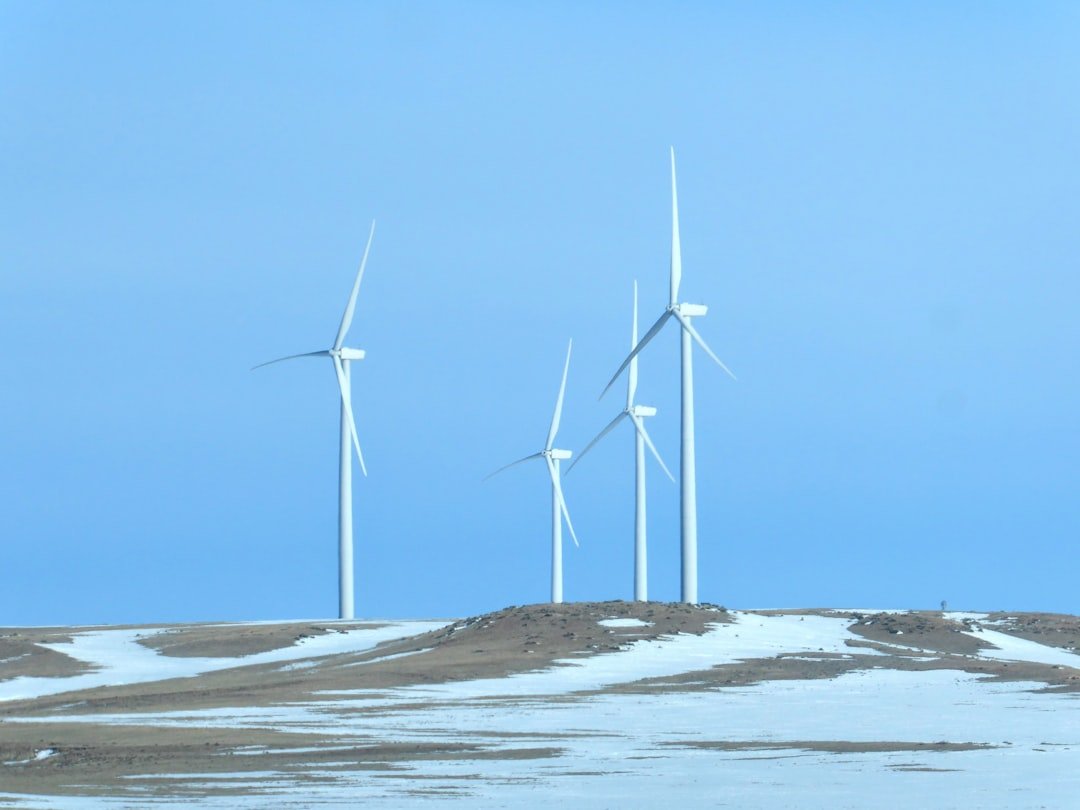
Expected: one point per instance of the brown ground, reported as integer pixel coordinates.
(827, 665)
(1051, 629)
(96, 757)
(830, 746)
(230, 640)
(925, 630)
(21, 655)
(90, 760)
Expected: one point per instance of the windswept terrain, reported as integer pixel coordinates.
(610, 704)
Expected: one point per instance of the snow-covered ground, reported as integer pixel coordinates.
(636, 750)
(1011, 648)
(750, 636)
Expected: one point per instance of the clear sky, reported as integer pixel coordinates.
(879, 206)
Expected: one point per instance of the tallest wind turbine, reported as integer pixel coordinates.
(341, 356)
(689, 335)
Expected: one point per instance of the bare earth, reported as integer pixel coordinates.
(90, 754)
(229, 641)
(21, 654)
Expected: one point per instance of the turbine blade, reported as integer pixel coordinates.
(656, 327)
(346, 400)
(631, 385)
(701, 342)
(346, 319)
(513, 464)
(599, 436)
(291, 357)
(676, 246)
(557, 416)
(639, 425)
(562, 501)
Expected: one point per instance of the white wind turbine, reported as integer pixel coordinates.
(682, 313)
(341, 356)
(552, 456)
(636, 414)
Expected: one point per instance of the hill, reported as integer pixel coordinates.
(601, 704)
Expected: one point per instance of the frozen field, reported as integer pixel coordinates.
(597, 705)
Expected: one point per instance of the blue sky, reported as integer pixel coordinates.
(878, 204)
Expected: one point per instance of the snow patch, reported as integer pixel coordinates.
(382, 658)
(959, 616)
(1011, 648)
(38, 756)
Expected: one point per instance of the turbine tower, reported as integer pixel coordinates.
(683, 313)
(552, 456)
(636, 414)
(342, 356)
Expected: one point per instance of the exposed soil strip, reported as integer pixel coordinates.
(831, 746)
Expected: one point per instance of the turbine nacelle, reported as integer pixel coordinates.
(641, 410)
(345, 353)
(557, 455)
(689, 310)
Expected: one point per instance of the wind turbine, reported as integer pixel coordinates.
(552, 456)
(341, 356)
(682, 313)
(636, 414)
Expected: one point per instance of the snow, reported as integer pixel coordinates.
(633, 750)
(38, 756)
(638, 750)
(623, 623)
(748, 636)
(118, 657)
(1011, 648)
(959, 616)
(298, 665)
(392, 657)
